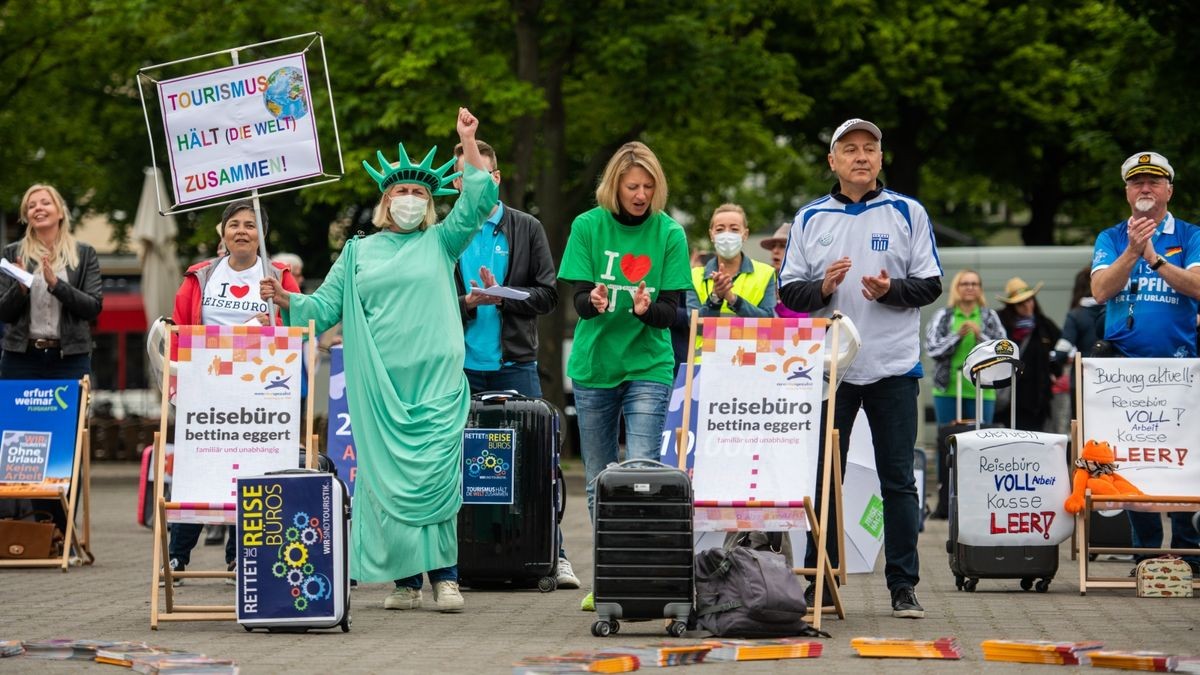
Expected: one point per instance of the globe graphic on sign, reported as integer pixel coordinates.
(284, 96)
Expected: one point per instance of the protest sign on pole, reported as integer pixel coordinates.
(235, 130)
(239, 128)
(253, 426)
(1148, 410)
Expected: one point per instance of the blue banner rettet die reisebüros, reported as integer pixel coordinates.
(286, 547)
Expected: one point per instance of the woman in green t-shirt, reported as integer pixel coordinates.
(628, 262)
(952, 334)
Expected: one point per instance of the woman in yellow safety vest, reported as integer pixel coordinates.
(731, 284)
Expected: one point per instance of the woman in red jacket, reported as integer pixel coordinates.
(224, 292)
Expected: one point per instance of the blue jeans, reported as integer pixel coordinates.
(184, 537)
(945, 408)
(643, 404)
(520, 377)
(891, 407)
(1146, 531)
(444, 574)
(44, 364)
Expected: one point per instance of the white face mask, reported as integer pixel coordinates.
(728, 244)
(408, 212)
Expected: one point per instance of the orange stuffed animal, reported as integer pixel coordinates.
(1096, 471)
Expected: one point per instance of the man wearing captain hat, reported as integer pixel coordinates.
(1147, 272)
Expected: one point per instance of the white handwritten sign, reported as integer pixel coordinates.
(239, 128)
(1011, 488)
(1149, 411)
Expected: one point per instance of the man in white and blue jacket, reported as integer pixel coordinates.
(870, 254)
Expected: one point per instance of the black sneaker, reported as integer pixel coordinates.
(905, 605)
(231, 567)
(810, 595)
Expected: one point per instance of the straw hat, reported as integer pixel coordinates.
(1017, 291)
(780, 237)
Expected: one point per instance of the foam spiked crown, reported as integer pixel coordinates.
(404, 171)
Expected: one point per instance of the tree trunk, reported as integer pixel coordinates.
(516, 185)
(903, 154)
(1044, 200)
(554, 214)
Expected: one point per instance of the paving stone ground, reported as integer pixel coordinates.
(110, 600)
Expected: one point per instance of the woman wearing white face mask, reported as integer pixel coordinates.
(395, 295)
(731, 283)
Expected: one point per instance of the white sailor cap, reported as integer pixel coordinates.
(993, 364)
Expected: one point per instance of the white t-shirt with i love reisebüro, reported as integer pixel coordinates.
(231, 298)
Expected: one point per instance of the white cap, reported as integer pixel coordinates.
(1147, 162)
(852, 124)
(993, 364)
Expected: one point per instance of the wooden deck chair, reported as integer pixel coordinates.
(72, 488)
(830, 480)
(1185, 494)
(162, 577)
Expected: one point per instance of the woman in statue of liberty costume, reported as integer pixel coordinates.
(394, 293)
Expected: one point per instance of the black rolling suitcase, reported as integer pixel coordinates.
(508, 527)
(643, 546)
(293, 534)
(1033, 565)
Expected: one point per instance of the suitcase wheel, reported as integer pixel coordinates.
(248, 629)
(602, 629)
(1042, 586)
(547, 584)
(970, 585)
(1026, 583)
(676, 629)
(345, 624)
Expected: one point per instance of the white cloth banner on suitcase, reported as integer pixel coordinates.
(237, 408)
(1148, 410)
(759, 419)
(1011, 486)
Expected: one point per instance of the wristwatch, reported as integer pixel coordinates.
(714, 302)
(1158, 263)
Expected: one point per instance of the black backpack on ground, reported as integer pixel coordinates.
(747, 593)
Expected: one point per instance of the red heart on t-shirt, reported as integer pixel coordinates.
(635, 266)
(239, 291)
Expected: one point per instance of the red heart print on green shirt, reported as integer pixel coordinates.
(635, 267)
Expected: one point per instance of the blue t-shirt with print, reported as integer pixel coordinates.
(489, 248)
(1148, 318)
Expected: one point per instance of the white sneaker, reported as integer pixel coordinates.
(175, 566)
(566, 575)
(447, 596)
(403, 597)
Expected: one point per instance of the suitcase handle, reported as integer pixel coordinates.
(651, 462)
(498, 395)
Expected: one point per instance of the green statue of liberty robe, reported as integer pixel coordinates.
(395, 296)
